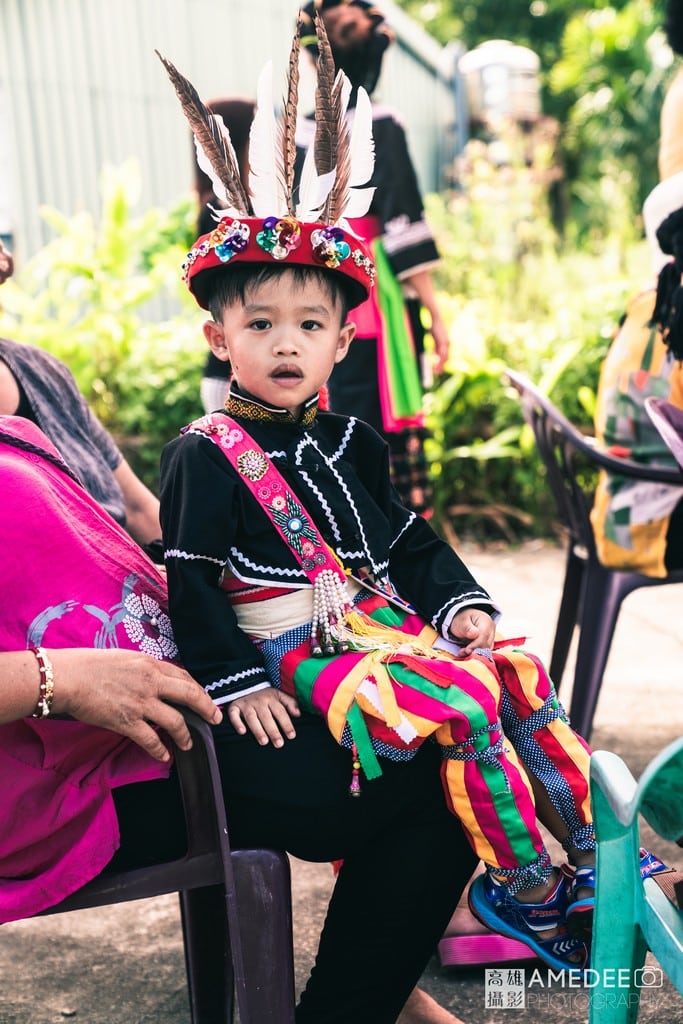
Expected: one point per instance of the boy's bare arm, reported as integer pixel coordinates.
(472, 628)
(265, 713)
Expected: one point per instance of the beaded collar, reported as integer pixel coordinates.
(247, 407)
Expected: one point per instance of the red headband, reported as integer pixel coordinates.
(284, 240)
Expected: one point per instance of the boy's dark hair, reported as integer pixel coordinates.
(225, 287)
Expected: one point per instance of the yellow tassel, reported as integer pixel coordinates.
(365, 633)
(363, 625)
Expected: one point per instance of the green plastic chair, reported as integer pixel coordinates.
(632, 915)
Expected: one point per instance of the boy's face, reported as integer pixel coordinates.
(283, 341)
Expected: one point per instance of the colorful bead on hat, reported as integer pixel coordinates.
(283, 240)
(266, 225)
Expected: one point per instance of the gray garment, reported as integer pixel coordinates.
(213, 391)
(61, 412)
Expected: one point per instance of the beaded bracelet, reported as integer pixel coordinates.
(47, 684)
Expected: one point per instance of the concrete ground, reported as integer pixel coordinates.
(124, 964)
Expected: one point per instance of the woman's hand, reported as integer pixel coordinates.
(129, 693)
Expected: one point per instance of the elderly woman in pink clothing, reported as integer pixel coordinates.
(83, 633)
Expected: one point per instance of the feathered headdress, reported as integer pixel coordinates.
(268, 223)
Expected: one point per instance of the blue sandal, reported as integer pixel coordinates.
(491, 902)
(580, 911)
(650, 865)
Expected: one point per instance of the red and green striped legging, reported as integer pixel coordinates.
(388, 704)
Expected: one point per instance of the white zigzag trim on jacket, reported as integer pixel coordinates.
(270, 570)
(323, 504)
(230, 697)
(454, 605)
(329, 515)
(329, 462)
(351, 426)
(257, 670)
(411, 519)
(191, 557)
(257, 581)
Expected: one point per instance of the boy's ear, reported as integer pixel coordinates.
(215, 337)
(345, 338)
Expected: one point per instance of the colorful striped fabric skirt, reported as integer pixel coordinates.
(388, 701)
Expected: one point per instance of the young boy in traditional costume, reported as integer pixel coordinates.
(300, 586)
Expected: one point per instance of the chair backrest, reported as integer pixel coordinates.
(660, 792)
(668, 419)
(563, 450)
(207, 861)
(557, 443)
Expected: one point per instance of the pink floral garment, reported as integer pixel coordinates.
(71, 577)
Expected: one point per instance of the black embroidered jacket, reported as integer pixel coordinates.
(339, 468)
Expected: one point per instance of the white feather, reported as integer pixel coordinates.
(205, 165)
(314, 189)
(219, 189)
(358, 202)
(218, 212)
(265, 171)
(362, 143)
(345, 91)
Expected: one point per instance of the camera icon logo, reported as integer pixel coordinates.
(648, 977)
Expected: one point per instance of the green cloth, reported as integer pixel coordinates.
(405, 388)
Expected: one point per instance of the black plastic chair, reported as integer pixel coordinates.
(591, 594)
(235, 905)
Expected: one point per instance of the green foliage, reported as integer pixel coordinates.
(604, 68)
(610, 77)
(513, 297)
(106, 299)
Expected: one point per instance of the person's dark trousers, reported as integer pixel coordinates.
(406, 861)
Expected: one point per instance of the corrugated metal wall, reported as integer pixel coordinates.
(80, 87)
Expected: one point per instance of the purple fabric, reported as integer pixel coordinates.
(71, 577)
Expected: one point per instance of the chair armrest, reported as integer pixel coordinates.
(613, 793)
(200, 784)
(668, 419)
(599, 456)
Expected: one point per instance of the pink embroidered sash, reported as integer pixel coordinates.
(268, 486)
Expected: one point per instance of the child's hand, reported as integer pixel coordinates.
(266, 713)
(472, 628)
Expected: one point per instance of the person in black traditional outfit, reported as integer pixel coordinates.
(380, 381)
